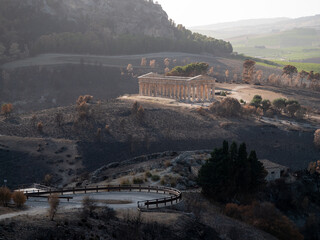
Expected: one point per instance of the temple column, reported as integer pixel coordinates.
(166, 90)
(199, 92)
(213, 92)
(193, 93)
(175, 91)
(178, 93)
(188, 92)
(162, 90)
(184, 92)
(206, 92)
(172, 91)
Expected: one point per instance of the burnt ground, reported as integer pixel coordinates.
(162, 128)
(179, 223)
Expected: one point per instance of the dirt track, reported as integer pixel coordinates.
(107, 61)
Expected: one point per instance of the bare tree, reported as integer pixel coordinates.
(6, 109)
(143, 62)
(152, 63)
(248, 71)
(129, 68)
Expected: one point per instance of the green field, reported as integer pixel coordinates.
(300, 66)
(296, 44)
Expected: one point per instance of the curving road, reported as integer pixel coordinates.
(37, 206)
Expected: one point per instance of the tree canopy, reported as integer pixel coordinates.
(189, 70)
(231, 173)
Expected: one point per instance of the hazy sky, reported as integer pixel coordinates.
(202, 12)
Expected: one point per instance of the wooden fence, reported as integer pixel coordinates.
(174, 197)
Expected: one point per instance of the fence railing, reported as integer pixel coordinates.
(175, 194)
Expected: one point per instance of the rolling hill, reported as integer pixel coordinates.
(279, 38)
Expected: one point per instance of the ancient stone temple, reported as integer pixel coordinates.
(190, 89)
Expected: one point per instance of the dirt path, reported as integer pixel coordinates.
(107, 61)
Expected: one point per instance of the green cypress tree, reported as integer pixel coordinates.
(231, 174)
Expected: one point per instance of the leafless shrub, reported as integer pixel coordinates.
(135, 107)
(40, 127)
(125, 181)
(6, 109)
(5, 196)
(48, 179)
(54, 202)
(19, 198)
(140, 113)
(99, 135)
(107, 128)
(88, 206)
(59, 118)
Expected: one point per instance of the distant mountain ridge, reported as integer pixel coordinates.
(257, 26)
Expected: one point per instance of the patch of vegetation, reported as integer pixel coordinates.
(266, 217)
(155, 178)
(189, 70)
(228, 107)
(300, 66)
(137, 181)
(231, 174)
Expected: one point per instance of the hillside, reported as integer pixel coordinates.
(282, 39)
(105, 27)
(166, 126)
(52, 80)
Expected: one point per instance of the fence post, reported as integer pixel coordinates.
(62, 191)
(50, 191)
(85, 189)
(119, 188)
(130, 186)
(73, 190)
(97, 188)
(147, 204)
(171, 200)
(157, 189)
(157, 203)
(148, 188)
(139, 187)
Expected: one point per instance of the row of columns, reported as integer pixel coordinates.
(195, 92)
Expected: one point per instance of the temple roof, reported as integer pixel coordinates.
(157, 76)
